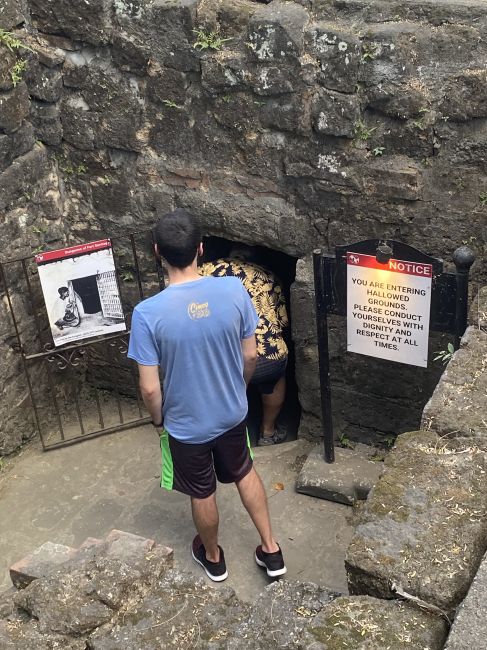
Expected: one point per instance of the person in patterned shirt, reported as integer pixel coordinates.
(270, 373)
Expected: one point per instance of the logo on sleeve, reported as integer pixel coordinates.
(197, 310)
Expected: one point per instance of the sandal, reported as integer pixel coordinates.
(279, 435)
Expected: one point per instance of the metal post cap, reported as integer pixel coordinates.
(463, 257)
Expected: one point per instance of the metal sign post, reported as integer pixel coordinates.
(448, 308)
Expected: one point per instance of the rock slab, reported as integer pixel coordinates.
(458, 404)
(469, 629)
(347, 480)
(423, 529)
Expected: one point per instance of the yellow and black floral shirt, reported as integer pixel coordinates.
(268, 300)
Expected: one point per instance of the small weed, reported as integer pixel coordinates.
(390, 440)
(426, 162)
(172, 104)
(483, 198)
(419, 124)
(38, 249)
(259, 103)
(362, 132)
(127, 276)
(208, 40)
(370, 51)
(17, 72)
(346, 442)
(11, 42)
(445, 355)
(71, 170)
(105, 180)
(39, 230)
(378, 151)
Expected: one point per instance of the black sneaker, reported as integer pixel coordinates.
(273, 563)
(216, 571)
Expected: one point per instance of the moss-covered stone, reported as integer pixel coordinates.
(423, 529)
(365, 623)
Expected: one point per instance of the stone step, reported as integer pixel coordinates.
(347, 480)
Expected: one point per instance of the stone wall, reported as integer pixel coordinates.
(312, 124)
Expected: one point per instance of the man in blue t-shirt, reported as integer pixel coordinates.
(200, 333)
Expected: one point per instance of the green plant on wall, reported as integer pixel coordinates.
(483, 198)
(362, 132)
(445, 355)
(13, 44)
(370, 51)
(17, 72)
(208, 40)
(171, 104)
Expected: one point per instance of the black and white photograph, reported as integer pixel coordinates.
(81, 291)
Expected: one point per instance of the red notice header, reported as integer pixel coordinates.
(73, 251)
(396, 266)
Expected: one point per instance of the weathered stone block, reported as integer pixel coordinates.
(171, 34)
(130, 53)
(393, 177)
(14, 107)
(288, 113)
(44, 83)
(11, 14)
(335, 113)
(478, 309)
(225, 72)
(280, 616)
(22, 175)
(457, 406)
(48, 55)
(423, 528)
(46, 119)
(16, 144)
(7, 62)
(276, 31)
(41, 562)
(464, 95)
(83, 21)
(338, 53)
(363, 622)
(275, 80)
(79, 125)
(349, 479)
(470, 625)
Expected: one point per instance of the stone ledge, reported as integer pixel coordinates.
(469, 630)
(424, 525)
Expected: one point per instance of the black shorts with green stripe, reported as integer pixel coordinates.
(193, 469)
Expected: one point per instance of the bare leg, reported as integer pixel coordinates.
(254, 499)
(205, 517)
(271, 407)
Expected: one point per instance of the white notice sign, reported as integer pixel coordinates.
(388, 308)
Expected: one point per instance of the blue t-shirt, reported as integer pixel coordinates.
(193, 331)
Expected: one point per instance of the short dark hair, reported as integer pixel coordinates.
(178, 236)
(62, 290)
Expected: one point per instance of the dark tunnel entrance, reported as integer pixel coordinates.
(283, 266)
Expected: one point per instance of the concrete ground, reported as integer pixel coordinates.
(87, 489)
